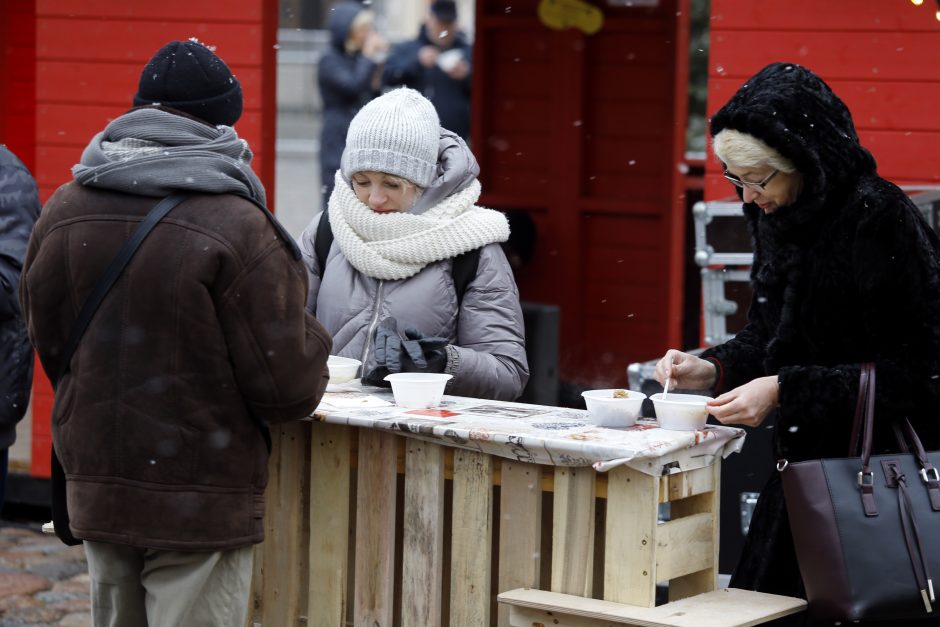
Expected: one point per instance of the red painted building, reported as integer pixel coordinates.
(70, 66)
(583, 131)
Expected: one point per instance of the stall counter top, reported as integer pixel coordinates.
(538, 434)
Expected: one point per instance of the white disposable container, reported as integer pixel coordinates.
(680, 412)
(605, 410)
(342, 369)
(418, 390)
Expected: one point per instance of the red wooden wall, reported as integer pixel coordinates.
(585, 133)
(882, 57)
(17, 77)
(88, 59)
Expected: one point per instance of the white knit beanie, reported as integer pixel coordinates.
(397, 133)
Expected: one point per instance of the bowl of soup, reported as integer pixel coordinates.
(680, 412)
(613, 407)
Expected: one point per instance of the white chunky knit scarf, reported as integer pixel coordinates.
(398, 245)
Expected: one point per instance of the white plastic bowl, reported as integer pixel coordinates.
(680, 412)
(342, 369)
(418, 390)
(604, 410)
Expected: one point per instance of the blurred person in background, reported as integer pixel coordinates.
(19, 209)
(161, 415)
(406, 271)
(439, 64)
(349, 75)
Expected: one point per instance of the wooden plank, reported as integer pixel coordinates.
(630, 542)
(284, 565)
(804, 15)
(864, 55)
(329, 524)
(684, 546)
(520, 529)
(722, 608)
(471, 539)
(685, 484)
(705, 504)
(423, 535)
(375, 529)
(573, 531)
(135, 41)
(194, 10)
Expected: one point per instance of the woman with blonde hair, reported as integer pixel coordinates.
(411, 276)
(846, 271)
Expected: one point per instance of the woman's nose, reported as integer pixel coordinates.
(750, 195)
(376, 199)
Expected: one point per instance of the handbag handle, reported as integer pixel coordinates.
(864, 422)
(863, 425)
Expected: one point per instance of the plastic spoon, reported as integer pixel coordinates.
(666, 384)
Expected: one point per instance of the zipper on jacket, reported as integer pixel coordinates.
(372, 324)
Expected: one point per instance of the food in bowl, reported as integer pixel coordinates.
(613, 407)
(418, 390)
(681, 412)
(342, 369)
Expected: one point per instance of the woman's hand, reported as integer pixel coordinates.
(748, 404)
(685, 371)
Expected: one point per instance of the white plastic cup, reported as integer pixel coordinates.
(418, 390)
(605, 410)
(342, 369)
(681, 412)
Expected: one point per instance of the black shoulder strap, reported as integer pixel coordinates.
(111, 275)
(323, 241)
(464, 271)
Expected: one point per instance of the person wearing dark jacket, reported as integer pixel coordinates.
(846, 271)
(160, 422)
(19, 209)
(349, 74)
(439, 64)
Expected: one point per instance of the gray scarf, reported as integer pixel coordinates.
(151, 152)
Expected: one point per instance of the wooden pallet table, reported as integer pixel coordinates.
(379, 516)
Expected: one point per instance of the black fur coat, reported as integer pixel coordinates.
(849, 273)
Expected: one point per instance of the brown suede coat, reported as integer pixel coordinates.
(203, 336)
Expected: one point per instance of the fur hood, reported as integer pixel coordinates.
(817, 135)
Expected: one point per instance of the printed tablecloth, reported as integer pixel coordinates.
(536, 434)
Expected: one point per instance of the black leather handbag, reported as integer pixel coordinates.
(867, 529)
(60, 512)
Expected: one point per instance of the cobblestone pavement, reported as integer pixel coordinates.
(43, 583)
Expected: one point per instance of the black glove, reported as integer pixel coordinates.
(412, 353)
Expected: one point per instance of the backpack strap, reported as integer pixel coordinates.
(323, 241)
(464, 270)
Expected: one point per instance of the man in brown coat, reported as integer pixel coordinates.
(161, 420)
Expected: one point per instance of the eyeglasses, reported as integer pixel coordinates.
(759, 186)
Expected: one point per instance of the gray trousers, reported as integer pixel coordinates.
(135, 587)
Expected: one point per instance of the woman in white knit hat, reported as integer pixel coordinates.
(406, 272)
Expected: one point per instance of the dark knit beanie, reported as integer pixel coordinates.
(187, 76)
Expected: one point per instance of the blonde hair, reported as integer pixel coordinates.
(401, 181)
(743, 151)
(363, 18)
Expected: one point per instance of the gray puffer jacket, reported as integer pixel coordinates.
(487, 357)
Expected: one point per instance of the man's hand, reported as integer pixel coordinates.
(427, 56)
